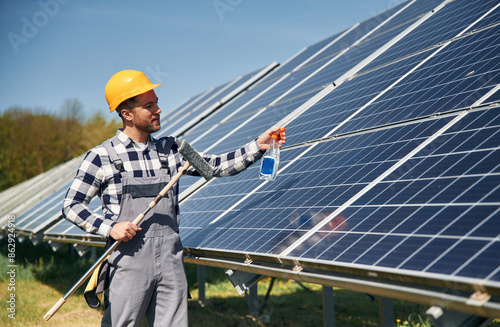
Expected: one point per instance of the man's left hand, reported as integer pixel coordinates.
(264, 140)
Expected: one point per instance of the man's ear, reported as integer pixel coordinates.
(126, 114)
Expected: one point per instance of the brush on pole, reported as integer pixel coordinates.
(193, 159)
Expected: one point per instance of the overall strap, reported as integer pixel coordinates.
(163, 151)
(117, 162)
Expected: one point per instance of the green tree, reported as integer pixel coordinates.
(33, 142)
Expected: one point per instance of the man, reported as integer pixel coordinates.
(146, 275)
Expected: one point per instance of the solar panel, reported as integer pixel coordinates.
(393, 175)
(42, 214)
(390, 94)
(454, 78)
(182, 109)
(65, 232)
(361, 41)
(21, 197)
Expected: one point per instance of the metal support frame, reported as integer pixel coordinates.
(242, 280)
(386, 312)
(253, 300)
(266, 298)
(328, 307)
(81, 249)
(93, 253)
(55, 246)
(201, 284)
(246, 283)
(375, 284)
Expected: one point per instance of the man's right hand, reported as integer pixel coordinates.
(124, 231)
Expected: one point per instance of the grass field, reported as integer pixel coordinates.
(43, 277)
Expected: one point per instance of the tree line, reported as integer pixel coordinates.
(32, 142)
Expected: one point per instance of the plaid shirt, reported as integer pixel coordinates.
(98, 176)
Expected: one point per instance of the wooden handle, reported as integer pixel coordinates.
(54, 309)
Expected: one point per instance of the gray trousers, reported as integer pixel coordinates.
(152, 282)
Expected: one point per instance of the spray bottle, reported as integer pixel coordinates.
(270, 160)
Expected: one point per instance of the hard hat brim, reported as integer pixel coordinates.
(116, 102)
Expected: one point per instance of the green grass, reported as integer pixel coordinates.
(43, 277)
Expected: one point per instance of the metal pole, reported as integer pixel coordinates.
(267, 295)
(201, 284)
(253, 300)
(328, 307)
(386, 312)
(93, 253)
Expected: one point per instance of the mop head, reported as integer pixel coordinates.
(199, 164)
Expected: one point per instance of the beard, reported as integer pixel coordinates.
(147, 126)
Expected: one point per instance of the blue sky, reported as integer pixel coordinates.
(53, 50)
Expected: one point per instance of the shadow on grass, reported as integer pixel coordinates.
(302, 308)
(60, 270)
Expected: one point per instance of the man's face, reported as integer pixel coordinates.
(146, 114)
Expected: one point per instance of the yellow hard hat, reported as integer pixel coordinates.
(125, 85)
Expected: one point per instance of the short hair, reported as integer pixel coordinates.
(130, 103)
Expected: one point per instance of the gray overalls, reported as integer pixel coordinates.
(147, 274)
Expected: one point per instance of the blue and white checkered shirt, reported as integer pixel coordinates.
(97, 176)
